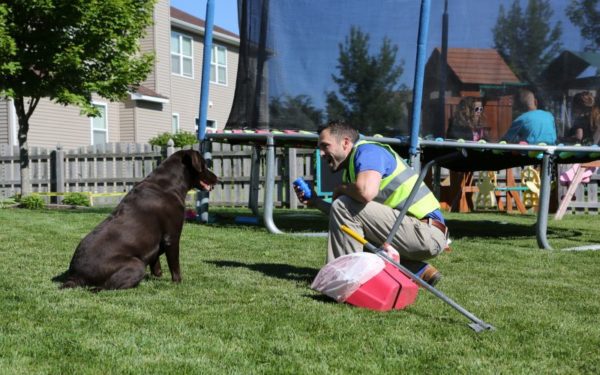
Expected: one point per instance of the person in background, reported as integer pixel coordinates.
(583, 128)
(596, 120)
(376, 182)
(467, 120)
(534, 126)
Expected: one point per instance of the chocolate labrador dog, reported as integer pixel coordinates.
(146, 223)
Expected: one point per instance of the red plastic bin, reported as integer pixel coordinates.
(389, 289)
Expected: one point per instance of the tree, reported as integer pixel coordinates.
(7, 45)
(367, 85)
(525, 39)
(67, 50)
(296, 112)
(585, 14)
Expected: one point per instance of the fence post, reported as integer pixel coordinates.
(254, 180)
(170, 147)
(292, 200)
(57, 170)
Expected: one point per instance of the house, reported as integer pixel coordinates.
(167, 101)
(470, 72)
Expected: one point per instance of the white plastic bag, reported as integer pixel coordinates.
(344, 275)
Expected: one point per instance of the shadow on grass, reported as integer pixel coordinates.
(291, 221)
(278, 270)
(494, 229)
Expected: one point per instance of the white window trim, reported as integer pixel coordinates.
(105, 121)
(176, 115)
(217, 65)
(14, 124)
(180, 56)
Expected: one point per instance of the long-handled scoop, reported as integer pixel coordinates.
(477, 324)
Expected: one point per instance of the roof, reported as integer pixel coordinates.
(569, 65)
(147, 94)
(188, 18)
(479, 66)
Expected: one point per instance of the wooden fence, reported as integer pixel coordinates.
(109, 171)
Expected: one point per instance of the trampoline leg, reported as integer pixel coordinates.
(254, 180)
(541, 226)
(269, 188)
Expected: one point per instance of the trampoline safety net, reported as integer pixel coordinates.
(305, 62)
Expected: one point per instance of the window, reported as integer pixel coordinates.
(175, 123)
(99, 126)
(211, 126)
(182, 60)
(218, 65)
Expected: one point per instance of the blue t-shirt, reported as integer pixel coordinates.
(532, 127)
(371, 157)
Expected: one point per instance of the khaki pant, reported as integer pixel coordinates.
(414, 240)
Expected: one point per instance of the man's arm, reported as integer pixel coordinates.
(364, 190)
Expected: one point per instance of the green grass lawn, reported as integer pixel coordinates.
(245, 306)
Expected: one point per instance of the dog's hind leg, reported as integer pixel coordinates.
(155, 267)
(127, 276)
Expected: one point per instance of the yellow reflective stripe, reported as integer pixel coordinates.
(392, 185)
(397, 201)
(424, 206)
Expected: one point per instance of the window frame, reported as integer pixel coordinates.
(93, 129)
(175, 116)
(216, 65)
(180, 56)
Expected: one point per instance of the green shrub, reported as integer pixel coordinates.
(33, 202)
(77, 199)
(180, 139)
(7, 202)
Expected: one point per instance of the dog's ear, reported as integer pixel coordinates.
(193, 160)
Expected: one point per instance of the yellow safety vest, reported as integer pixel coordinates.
(395, 188)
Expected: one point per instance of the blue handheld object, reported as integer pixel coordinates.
(300, 183)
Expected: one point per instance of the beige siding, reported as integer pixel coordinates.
(53, 124)
(4, 122)
(151, 120)
(162, 48)
(185, 97)
(147, 46)
(127, 117)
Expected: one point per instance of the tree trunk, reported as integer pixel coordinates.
(23, 147)
(24, 167)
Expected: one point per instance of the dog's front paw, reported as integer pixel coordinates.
(157, 273)
(176, 278)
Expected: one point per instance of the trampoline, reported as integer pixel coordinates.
(293, 74)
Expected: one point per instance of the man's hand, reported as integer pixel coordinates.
(302, 199)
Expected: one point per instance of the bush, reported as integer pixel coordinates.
(7, 202)
(77, 199)
(32, 202)
(180, 139)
